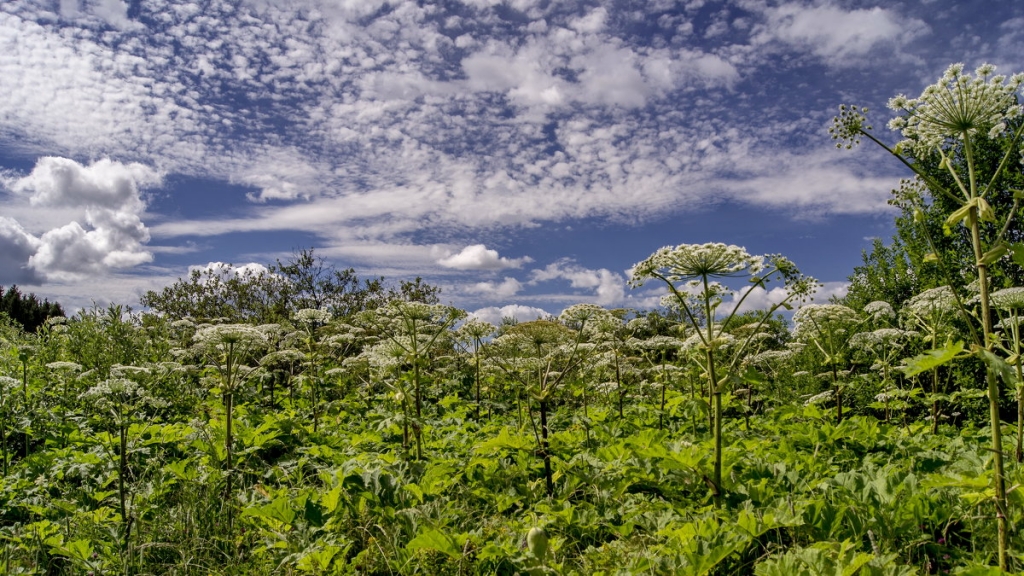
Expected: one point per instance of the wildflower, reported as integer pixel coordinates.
(64, 366)
(931, 301)
(312, 317)
(1008, 298)
(957, 106)
(880, 311)
(696, 261)
(229, 334)
(820, 398)
(848, 126)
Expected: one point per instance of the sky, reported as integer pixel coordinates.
(520, 154)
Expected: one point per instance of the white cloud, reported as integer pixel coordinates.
(479, 257)
(16, 247)
(836, 35)
(609, 288)
(497, 290)
(761, 299)
(105, 195)
(494, 314)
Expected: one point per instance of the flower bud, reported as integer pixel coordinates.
(537, 541)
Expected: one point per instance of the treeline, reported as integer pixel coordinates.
(226, 293)
(27, 311)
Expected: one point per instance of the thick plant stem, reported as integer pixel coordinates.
(549, 482)
(999, 478)
(717, 409)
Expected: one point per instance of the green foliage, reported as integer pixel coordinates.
(27, 311)
(263, 295)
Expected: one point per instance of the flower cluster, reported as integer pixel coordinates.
(957, 106)
(880, 311)
(695, 261)
(848, 126)
(814, 319)
(312, 317)
(221, 334)
(1008, 298)
(932, 301)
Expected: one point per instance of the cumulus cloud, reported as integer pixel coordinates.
(497, 290)
(16, 247)
(609, 288)
(479, 257)
(108, 232)
(761, 299)
(495, 314)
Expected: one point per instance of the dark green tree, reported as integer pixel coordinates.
(27, 310)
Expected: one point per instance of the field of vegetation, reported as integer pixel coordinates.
(304, 421)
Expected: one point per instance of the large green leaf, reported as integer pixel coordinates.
(433, 539)
(933, 358)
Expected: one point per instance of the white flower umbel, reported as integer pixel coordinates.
(957, 105)
(691, 270)
(312, 317)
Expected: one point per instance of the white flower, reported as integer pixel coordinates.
(819, 398)
(1008, 298)
(312, 317)
(958, 105)
(815, 319)
(880, 311)
(221, 334)
(695, 261)
(935, 300)
(64, 366)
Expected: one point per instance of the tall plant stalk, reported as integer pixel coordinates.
(697, 266)
(951, 117)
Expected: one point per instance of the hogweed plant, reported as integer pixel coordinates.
(829, 327)
(883, 347)
(951, 121)
(310, 320)
(691, 270)
(7, 387)
(414, 327)
(1009, 303)
(125, 402)
(229, 346)
(470, 337)
(930, 314)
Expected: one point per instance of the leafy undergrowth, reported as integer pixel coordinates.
(801, 495)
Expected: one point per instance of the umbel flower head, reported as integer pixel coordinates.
(1008, 298)
(957, 106)
(312, 317)
(932, 301)
(694, 261)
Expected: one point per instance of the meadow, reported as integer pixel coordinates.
(303, 422)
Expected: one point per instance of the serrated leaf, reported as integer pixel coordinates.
(432, 539)
(1017, 251)
(933, 358)
(279, 510)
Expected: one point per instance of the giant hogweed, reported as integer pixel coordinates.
(692, 269)
(950, 121)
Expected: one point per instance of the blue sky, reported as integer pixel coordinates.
(521, 154)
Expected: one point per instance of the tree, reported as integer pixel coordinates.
(262, 295)
(887, 274)
(27, 310)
